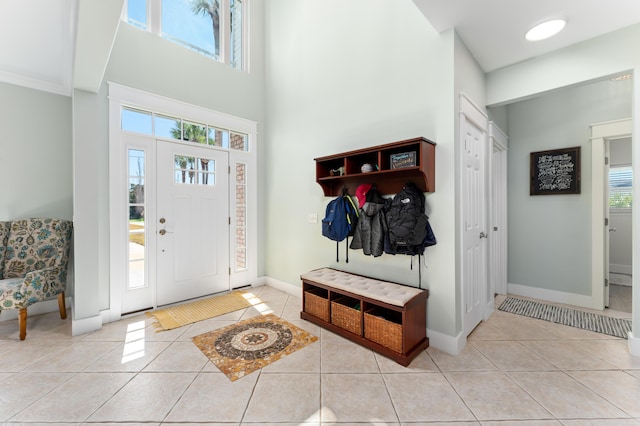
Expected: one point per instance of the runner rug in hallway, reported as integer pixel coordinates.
(188, 313)
(594, 322)
(242, 348)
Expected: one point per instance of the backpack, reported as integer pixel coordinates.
(341, 217)
(406, 221)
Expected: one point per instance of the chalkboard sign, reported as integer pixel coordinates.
(404, 159)
(555, 172)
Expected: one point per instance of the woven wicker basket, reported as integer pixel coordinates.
(346, 317)
(382, 331)
(316, 305)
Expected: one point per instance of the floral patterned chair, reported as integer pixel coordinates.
(33, 264)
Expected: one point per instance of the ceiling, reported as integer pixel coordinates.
(38, 37)
(493, 30)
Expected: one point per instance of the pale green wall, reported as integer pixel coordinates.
(35, 154)
(550, 235)
(347, 75)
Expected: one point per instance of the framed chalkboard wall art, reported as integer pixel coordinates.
(555, 172)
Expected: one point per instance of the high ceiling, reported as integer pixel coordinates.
(38, 37)
(493, 30)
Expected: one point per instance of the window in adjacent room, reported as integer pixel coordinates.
(620, 187)
(213, 28)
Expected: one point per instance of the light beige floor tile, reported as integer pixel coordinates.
(125, 424)
(602, 422)
(420, 364)
(179, 357)
(494, 396)
(272, 296)
(76, 399)
(560, 331)
(20, 390)
(305, 360)
(340, 355)
(155, 334)
(617, 387)
(512, 356)
(74, 358)
(566, 355)
(212, 397)
(564, 397)
(470, 359)
(285, 398)
(47, 326)
(519, 327)
(308, 327)
(422, 397)
(131, 356)
(148, 397)
(635, 373)
(119, 330)
(524, 423)
(18, 355)
(614, 352)
(356, 397)
(486, 331)
(291, 312)
(203, 327)
(263, 309)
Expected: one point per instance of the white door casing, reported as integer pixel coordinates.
(601, 132)
(192, 222)
(607, 224)
(241, 264)
(473, 139)
(498, 212)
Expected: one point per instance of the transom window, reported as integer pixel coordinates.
(149, 123)
(620, 187)
(213, 28)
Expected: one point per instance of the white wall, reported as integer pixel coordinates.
(35, 154)
(347, 75)
(550, 235)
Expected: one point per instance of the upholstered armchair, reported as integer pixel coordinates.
(33, 264)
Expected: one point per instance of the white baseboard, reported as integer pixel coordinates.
(291, 289)
(620, 269)
(634, 345)
(445, 343)
(550, 295)
(35, 309)
(86, 325)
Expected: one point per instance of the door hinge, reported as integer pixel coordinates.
(606, 282)
(229, 167)
(606, 160)
(229, 270)
(229, 220)
(606, 221)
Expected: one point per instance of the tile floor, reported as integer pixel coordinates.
(514, 370)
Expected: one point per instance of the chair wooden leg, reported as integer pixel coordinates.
(62, 306)
(22, 322)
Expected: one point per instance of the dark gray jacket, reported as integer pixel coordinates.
(370, 230)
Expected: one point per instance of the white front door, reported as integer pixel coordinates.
(192, 222)
(474, 232)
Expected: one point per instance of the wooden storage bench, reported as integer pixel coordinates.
(386, 317)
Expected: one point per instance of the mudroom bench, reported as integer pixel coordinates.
(386, 317)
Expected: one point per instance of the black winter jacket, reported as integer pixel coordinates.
(370, 230)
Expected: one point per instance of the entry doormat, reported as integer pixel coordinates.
(242, 348)
(188, 313)
(594, 322)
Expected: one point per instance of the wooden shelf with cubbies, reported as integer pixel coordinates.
(391, 166)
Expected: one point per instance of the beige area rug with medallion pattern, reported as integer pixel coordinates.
(242, 348)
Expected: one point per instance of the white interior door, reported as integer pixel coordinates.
(192, 222)
(474, 232)
(498, 222)
(607, 227)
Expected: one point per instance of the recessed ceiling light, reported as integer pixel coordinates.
(545, 30)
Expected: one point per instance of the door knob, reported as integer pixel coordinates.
(162, 231)
(612, 229)
(483, 235)
(162, 220)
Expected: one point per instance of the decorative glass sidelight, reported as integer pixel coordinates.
(241, 217)
(136, 248)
